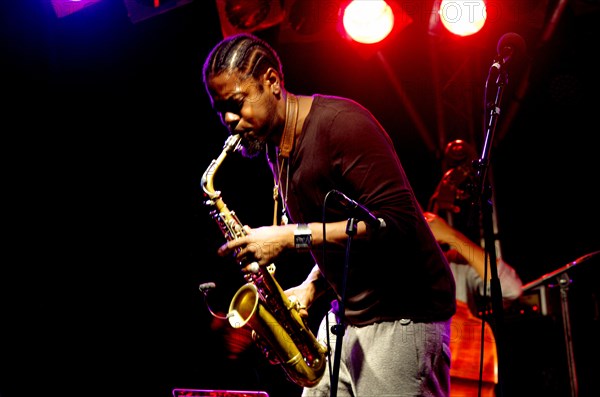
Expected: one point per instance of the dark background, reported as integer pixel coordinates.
(107, 132)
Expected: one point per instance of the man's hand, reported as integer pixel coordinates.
(262, 245)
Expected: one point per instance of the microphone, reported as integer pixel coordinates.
(205, 287)
(358, 210)
(510, 45)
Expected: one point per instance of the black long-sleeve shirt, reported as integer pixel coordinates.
(400, 270)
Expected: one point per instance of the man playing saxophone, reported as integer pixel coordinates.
(394, 314)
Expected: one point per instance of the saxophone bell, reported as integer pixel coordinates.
(274, 338)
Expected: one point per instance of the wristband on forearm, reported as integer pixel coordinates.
(302, 237)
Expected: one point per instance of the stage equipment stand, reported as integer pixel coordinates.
(509, 44)
(339, 329)
(564, 281)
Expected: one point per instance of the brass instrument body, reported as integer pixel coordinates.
(277, 327)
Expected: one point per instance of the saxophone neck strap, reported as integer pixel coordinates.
(289, 131)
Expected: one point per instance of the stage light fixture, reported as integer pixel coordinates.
(367, 22)
(238, 16)
(463, 17)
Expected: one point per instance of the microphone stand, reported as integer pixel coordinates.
(338, 329)
(483, 199)
(563, 281)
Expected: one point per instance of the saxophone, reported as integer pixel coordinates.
(280, 332)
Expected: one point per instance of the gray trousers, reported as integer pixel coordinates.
(388, 359)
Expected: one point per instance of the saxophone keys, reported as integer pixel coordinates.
(253, 267)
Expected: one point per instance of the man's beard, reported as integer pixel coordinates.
(252, 148)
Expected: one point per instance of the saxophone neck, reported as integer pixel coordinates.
(232, 144)
(207, 180)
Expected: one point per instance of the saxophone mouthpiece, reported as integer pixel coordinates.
(232, 143)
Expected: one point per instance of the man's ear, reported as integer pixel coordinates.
(273, 79)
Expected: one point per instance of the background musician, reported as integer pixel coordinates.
(471, 269)
(467, 260)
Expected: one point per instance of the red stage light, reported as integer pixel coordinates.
(368, 22)
(463, 17)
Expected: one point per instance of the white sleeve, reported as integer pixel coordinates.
(510, 282)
